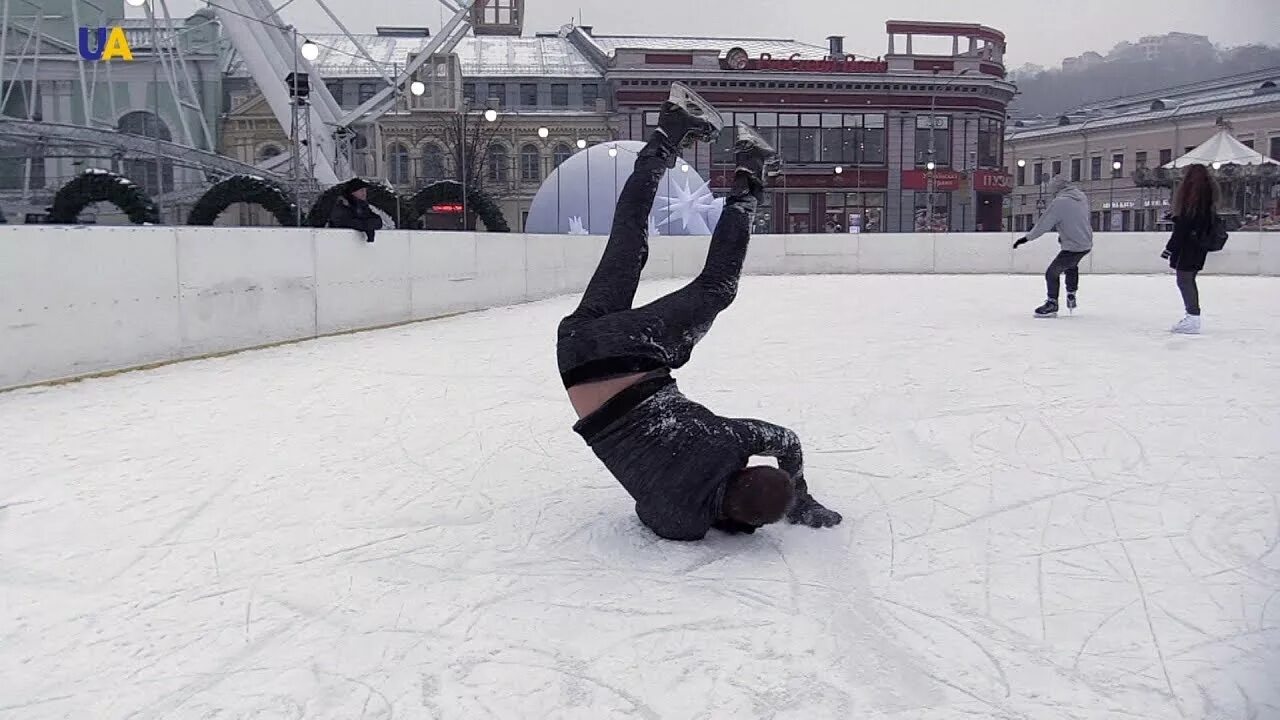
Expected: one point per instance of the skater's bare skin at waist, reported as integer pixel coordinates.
(591, 396)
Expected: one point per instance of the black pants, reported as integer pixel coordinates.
(605, 336)
(1188, 261)
(1190, 292)
(1067, 262)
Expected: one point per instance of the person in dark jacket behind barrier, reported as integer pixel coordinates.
(1194, 208)
(1068, 214)
(352, 210)
(685, 466)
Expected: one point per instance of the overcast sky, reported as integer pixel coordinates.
(1039, 31)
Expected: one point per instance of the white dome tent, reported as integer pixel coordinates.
(579, 196)
(1222, 149)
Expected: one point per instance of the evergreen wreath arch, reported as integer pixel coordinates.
(381, 196)
(97, 185)
(478, 202)
(245, 188)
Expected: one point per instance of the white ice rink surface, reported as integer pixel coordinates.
(1074, 518)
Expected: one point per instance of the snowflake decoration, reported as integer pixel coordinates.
(697, 209)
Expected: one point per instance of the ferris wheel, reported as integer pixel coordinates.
(39, 43)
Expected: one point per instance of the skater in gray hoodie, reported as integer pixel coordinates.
(1068, 214)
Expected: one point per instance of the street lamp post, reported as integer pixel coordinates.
(933, 106)
(1115, 170)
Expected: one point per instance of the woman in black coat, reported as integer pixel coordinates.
(1193, 220)
(352, 210)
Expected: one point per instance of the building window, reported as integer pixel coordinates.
(933, 131)
(873, 144)
(335, 89)
(1057, 168)
(559, 95)
(1139, 160)
(722, 149)
(155, 178)
(1166, 157)
(469, 93)
(1275, 148)
(367, 91)
(530, 163)
(1075, 169)
(1095, 167)
(497, 164)
(1117, 158)
(855, 212)
(267, 152)
(398, 164)
(560, 154)
(497, 95)
(529, 94)
(590, 93)
(432, 163)
(989, 146)
(1247, 143)
(1188, 149)
(1038, 173)
(1021, 171)
(936, 220)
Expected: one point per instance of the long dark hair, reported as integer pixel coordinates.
(1197, 195)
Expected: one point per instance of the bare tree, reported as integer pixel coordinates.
(467, 140)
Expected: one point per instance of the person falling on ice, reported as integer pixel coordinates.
(1069, 215)
(685, 466)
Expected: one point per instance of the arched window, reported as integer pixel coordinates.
(432, 163)
(267, 152)
(497, 162)
(398, 164)
(562, 153)
(530, 163)
(155, 178)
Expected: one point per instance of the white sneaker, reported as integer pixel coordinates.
(1189, 325)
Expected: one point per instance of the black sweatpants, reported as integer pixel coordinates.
(605, 336)
(1066, 262)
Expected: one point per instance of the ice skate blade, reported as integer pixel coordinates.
(695, 105)
(1046, 315)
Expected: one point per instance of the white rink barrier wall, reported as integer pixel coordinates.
(77, 301)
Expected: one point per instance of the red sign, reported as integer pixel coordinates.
(446, 208)
(847, 65)
(943, 180)
(992, 181)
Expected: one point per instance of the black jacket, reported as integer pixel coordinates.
(1183, 248)
(349, 212)
(675, 456)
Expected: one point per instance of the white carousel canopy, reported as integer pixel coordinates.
(1224, 149)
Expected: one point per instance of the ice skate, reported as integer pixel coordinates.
(1048, 309)
(686, 117)
(753, 154)
(1071, 302)
(1189, 325)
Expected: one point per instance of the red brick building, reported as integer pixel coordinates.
(866, 141)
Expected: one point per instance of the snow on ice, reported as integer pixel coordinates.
(1063, 519)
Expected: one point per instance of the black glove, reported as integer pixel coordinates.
(1166, 254)
(1021, 241)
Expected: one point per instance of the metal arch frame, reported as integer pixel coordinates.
(32, 131)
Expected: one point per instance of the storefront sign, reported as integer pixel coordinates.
(737, 59)
(1119, 205)
(943, 180)
(992, 181)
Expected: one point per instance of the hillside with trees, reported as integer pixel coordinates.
(1132, 68)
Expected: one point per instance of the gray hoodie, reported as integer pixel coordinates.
(1068, 214)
